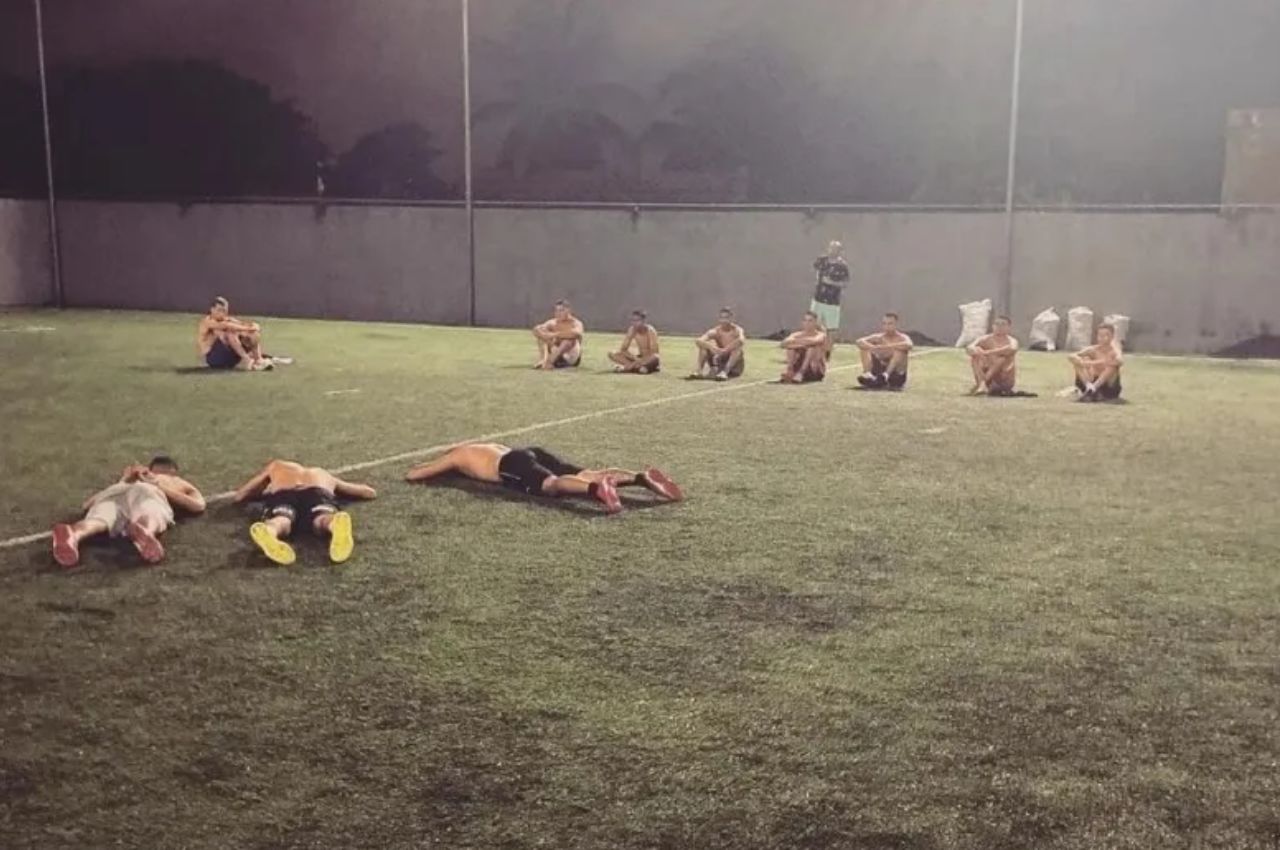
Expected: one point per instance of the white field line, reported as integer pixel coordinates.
(15, 542)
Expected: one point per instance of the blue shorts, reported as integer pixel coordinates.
(221, 356)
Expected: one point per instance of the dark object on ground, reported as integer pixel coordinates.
(1264, 345)
(1011, 394)
(779, 336)
(923, 340)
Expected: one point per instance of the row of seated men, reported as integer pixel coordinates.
(226, 342)
(885, 354)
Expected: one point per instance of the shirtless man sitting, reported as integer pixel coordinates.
(559, 339)
(139, 506)
(884, 356)
(993, 358)
(720, 350)
(1097, 367)
(806, 351)
(225, 342)
(537, 472)
(292, 493)
(645, 360)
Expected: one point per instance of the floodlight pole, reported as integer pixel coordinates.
(1011, 175)
(466, 161)
(55, 243)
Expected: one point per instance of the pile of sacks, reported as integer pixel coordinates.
(975, 319)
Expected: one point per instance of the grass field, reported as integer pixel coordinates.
(911, 620)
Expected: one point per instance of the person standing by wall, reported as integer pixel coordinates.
(833, 275)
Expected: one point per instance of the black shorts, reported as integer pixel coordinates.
(563, 361)
(309, 503)
(527, 469)
(221, 356)
(1107, 392)
(893, 380)
(718, 362)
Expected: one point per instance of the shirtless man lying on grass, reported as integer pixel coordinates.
(139, 506)
(294, 494)
(537, 472)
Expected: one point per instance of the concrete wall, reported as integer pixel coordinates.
(683, 266)
(378, 263)
(1192, 282)
(25, 275)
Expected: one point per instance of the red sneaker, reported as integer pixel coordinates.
(660, 483)
(65, 550)
(147, 544)
(607, 492)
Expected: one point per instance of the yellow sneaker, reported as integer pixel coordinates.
(274, 548)
(341, 540)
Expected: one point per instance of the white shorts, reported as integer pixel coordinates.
(123, 504)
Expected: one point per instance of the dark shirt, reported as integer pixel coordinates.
(832, 276)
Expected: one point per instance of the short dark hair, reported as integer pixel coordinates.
(1003, 318)
(163, 460)
(220, 302)
(810, 314)
(728, 310)
(563, 302)
(893, 316)
(643, 316)
(1108, 326)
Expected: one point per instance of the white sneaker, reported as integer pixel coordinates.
(722, 376)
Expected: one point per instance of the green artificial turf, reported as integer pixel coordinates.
(913, 620)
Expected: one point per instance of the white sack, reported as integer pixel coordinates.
(975, 318)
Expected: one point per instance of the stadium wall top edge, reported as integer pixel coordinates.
(640, 207)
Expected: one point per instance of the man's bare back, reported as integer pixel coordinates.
(481, 460)
(287, 475)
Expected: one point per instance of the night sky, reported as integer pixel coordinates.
(1146, 82)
